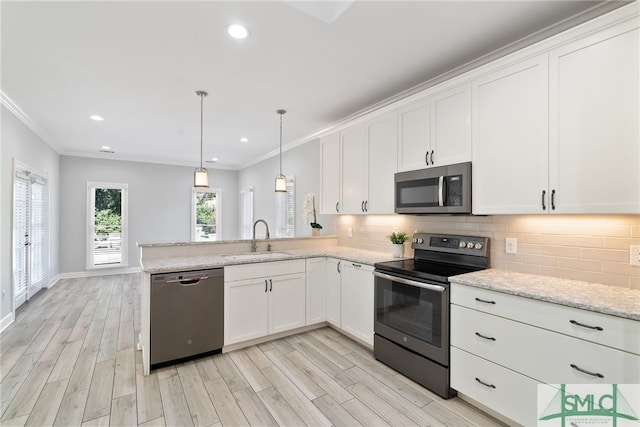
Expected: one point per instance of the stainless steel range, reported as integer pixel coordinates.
(412, 306)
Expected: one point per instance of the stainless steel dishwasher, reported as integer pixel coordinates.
(187, 315)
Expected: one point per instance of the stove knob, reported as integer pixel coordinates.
(420, 240)
(463, 244)
(415, 240)
(478, 245)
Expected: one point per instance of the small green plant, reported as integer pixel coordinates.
(398, 238)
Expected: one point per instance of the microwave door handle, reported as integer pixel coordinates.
(440, 191)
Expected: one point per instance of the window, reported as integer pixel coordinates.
(205, 214)
(285, 210)
(107, 236)
(30, 234)
(246, 211)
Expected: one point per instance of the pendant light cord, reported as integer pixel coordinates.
(201, 124)
(281, 143)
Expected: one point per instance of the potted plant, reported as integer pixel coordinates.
(310, 211)
(397, 243)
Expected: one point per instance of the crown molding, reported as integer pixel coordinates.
(28, 122)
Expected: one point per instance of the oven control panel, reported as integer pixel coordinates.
(470, 245)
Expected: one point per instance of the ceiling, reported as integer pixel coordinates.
(139, 63)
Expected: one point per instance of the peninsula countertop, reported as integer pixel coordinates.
(606, 299)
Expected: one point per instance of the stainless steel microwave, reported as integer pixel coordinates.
(438, 190)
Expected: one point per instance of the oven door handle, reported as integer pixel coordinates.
(428, 286)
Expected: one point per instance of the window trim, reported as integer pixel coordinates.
(124, 242)
(218, 192)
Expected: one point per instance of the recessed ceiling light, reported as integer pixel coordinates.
(106, 147)
(213, 160)
(243, 139)
(97, 118)
(238, 31)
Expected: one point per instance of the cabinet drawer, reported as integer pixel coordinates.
(506, 392)
(538, 353)
(612, 331)
(263, 269)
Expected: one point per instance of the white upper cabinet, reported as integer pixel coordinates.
(435, 131)
(383, 153)
(594, 123)
(510, 139)
(414, 144)
(354, 169)
(451, 126)
(330, 170)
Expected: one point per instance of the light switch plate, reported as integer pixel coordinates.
(350, 232)
(511, 245)
(634, 255)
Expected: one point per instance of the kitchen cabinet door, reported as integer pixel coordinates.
(594, 123)
(413, 137)
(383, 155)
(330, 201)
(246, 314)
(316, 295)
(286, 302)
(510, 139)
(357, 308)
(333, 291)
(354, 169)
(451, 126)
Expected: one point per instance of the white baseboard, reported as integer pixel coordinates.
(99, 272)
(54, 281)
(7, 320)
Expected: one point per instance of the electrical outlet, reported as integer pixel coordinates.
(634, 255)
(511, 245)
(350, 232)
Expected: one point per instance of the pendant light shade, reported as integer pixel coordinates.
(201, 176)
(281, 180)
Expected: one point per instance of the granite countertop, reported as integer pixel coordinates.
(612, 300)
(174, 264)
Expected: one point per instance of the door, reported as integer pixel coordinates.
(286, 302)
(333, 291)
(246, 315)
(330, 180)
(451, 127)
(358, 301)
(354, 170)
(593, 124)
(30, 231)
(316, 290)
(413, 143)
(383, 154)
(511, 143)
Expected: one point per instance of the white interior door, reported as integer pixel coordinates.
(30, 232)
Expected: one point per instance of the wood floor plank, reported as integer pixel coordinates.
(331, 342)
(123, 411)
(100, 391)
(16, 422)
(124, 382)
(230, 372)
(324, 363)
(126, 336)
(227, 407)
(55, 346)
(279, 408)
(72, 409)
(385, 410)
(149, 400)
(113, 318)
(66, 362)
(296, 375)
(250, 371)
(174, 402)
(26, 398)
(108, 345)
(311, 343)
(80, 329)
(8, 390)
(258, 357)
(157, 422)
(83, 370)
(97, 422)
(335, 413)
(304, 407)
(43, 338)
(46, 407)
(24, 364)
(94, 334)
(253, 408)
(326, 383)
(362, 413)
(207, 369)
(202, 410)
(10, 358)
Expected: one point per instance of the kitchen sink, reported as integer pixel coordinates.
(256, 256)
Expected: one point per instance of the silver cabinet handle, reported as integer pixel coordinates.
(428, 286)
(338, 267)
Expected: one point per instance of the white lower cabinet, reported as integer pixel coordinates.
(316, 290)
(333, 291)
(502, 346)
(258, 306)
(357, 308)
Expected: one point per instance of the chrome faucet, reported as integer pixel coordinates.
(254, 246)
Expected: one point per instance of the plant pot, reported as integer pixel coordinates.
(397, 250)
(315, 232)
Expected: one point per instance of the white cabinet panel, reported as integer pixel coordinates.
(358, 300)
(246, 314)
(316, 295)
(333, 291)
(413, 142)
(594, 123)
(451, 127)
(382, 164)
(354, 170)
(510, 133)
(330, 174)
(286, 302)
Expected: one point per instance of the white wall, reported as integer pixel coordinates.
(159, 204)
(20, 144)
(304, 163)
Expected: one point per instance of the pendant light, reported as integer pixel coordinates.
(281, 180)
(201, 176)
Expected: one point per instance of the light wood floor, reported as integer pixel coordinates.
(70, 359)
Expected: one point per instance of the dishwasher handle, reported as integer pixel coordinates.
(189, 282)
